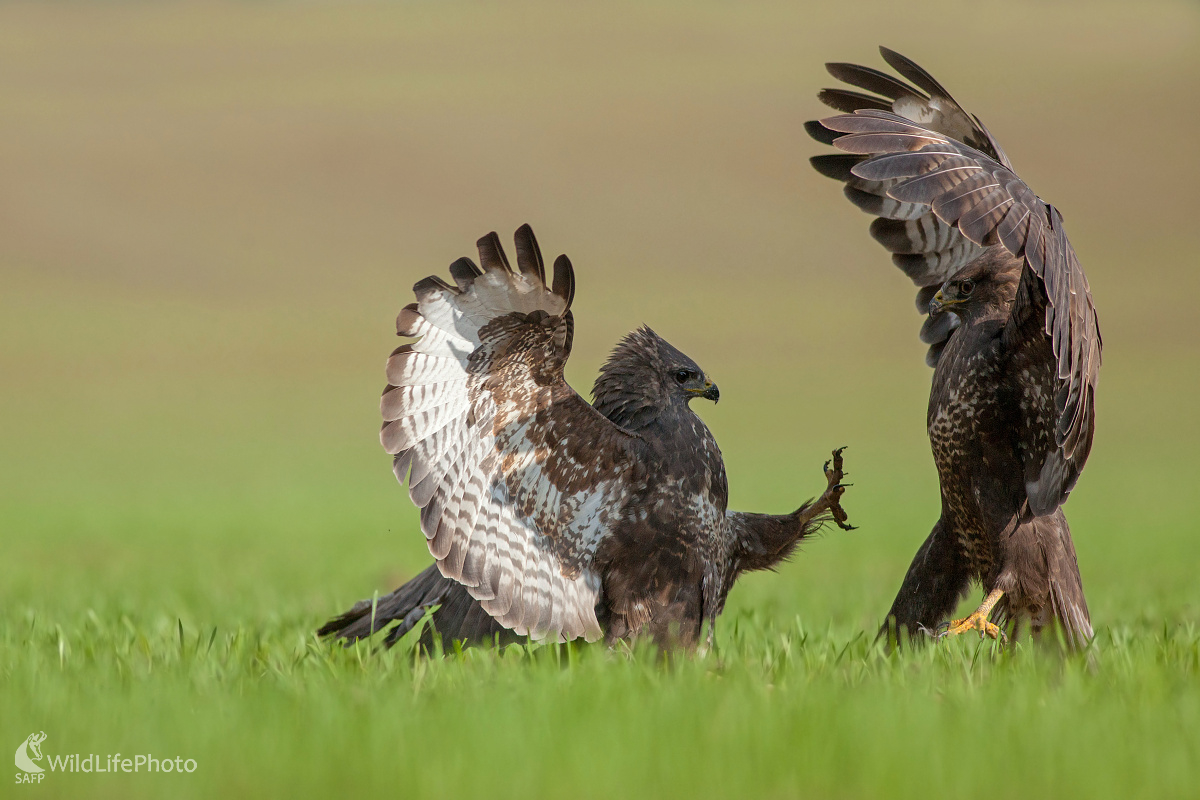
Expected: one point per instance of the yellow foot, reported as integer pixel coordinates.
(978, 620)
(975, 622)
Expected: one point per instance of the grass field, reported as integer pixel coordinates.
(209, 217)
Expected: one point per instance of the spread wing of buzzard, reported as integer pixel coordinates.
(515, 474)
(943, 192)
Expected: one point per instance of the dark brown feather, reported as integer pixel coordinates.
(872, 80)
(848, 101)
(464, 273)
(819, 132)
(838, 166)
(564, 279)
(914, 73)
(529, 255)
(491, 253)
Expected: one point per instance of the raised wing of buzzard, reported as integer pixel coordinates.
(547, 517)
(1013, 337)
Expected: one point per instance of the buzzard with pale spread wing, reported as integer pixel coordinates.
(548, 517)
(1013, 338)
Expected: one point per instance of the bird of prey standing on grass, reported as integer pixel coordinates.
(1013, 339)
(547, 517)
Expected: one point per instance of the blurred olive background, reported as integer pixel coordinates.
(210, 214)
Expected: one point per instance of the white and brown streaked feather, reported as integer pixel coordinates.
(517, 477)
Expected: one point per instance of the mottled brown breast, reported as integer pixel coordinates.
(670, 544)
(964, 408)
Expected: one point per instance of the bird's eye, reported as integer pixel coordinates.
(682, 376)
(966, 287)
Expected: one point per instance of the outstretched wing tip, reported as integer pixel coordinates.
(884, 146)
(529, 255)
(564, 279)
(819, 132)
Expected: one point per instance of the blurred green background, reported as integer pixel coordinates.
(210, 214)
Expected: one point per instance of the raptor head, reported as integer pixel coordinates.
(645, 375)
(976, 288)
(679, 377)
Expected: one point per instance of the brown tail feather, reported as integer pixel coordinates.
(458, 617)
(1044, 586)
(1066, 588)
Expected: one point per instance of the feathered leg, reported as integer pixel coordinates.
(936, 580)
(763, 540)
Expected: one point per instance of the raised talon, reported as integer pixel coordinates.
(836, 489)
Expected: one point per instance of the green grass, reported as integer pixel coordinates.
(210, 217)
(783, 709)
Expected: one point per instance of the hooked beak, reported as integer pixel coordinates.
(939, 303)
(709, 392)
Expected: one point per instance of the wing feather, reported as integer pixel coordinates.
(899, 133)
(928, 153)
(517, 477)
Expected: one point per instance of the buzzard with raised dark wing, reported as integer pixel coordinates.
(1013, 339)
(547, 517)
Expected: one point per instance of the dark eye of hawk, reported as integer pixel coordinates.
(966, 287)
(682, 375)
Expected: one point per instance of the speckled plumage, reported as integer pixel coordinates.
(1013, 338)
(547, 517)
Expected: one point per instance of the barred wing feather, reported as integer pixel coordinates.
(926, 248)
(518, 478)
